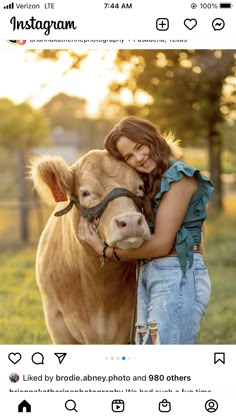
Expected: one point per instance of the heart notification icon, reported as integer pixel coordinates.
(190, 23)
(14, 357)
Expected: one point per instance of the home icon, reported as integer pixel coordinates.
(24, 405)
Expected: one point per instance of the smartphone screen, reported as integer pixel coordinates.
(117, 209)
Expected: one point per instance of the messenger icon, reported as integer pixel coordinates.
(164, 406)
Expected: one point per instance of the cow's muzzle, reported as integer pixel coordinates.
(128, 230)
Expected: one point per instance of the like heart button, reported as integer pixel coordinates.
(190, 23)
(14, 357)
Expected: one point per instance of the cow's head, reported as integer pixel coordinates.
(90, 180)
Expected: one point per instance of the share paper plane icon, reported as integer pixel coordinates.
(60, 356)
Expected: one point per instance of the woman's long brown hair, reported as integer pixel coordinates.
(143, 132)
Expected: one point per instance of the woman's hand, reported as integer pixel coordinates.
(87, 234)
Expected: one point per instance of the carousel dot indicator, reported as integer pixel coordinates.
(123, 357)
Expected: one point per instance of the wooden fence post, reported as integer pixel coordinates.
(22, 185)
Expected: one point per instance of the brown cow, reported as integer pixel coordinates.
(85, 303)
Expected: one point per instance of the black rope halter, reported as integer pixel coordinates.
(95, 212)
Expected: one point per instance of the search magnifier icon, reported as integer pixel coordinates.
(71, 405)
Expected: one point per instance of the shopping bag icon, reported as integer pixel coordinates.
(164, 406)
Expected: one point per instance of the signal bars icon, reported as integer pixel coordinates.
(9, 6)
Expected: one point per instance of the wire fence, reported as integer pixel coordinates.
(21, 222)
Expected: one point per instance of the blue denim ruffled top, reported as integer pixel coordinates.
(189, 233)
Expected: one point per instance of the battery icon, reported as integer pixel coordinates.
(225, 5)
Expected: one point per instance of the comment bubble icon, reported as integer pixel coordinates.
(37, 358)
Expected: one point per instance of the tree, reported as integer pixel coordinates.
(64, 111)
(21, 127)
(69, 112)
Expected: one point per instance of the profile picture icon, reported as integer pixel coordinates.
(16, 42)
(211, 406)
(14, 377)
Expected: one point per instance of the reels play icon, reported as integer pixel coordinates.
(118, 406)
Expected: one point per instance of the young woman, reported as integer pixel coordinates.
(173, 284)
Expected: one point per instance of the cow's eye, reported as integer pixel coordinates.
(85, 193)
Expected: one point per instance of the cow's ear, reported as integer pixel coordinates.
(52, 178)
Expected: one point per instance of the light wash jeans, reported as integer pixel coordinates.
(174, 302)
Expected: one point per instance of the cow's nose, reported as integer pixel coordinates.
(124, 221)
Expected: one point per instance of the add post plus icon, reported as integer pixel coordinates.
(9, 6)
(162, 24)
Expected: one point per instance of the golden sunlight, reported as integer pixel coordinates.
(36, 81)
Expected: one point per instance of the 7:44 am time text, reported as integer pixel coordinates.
(117, 5)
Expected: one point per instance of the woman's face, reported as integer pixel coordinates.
(136, 155)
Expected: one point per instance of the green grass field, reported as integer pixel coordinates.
(219, 323)
(21, 315)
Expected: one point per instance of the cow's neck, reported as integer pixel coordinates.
(109, 270)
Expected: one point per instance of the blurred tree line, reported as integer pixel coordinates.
(21, 128)
(69, 113)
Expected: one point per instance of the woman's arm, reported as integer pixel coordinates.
(170, 215)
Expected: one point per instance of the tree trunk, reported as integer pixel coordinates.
(23, 209)
(215, 155)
